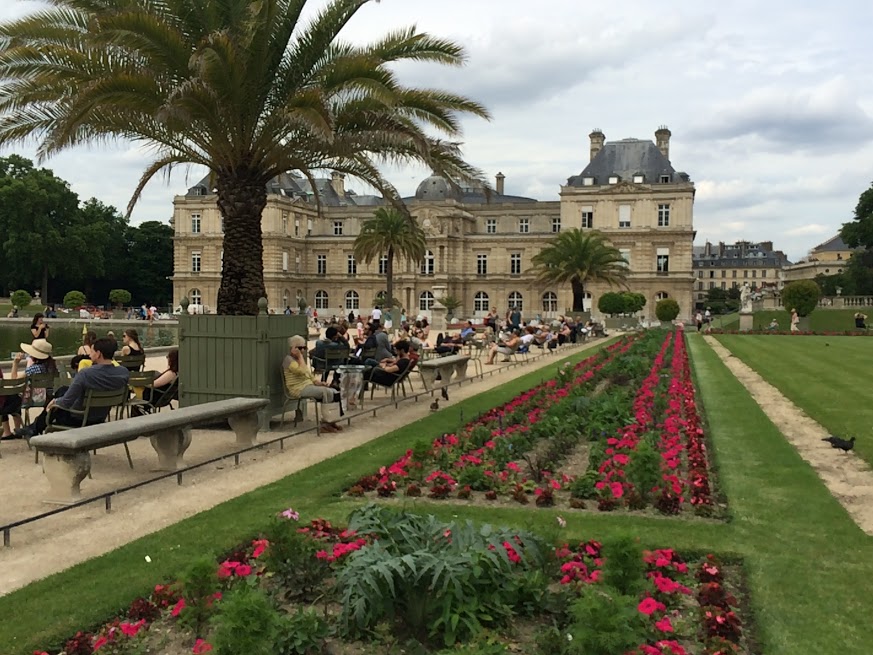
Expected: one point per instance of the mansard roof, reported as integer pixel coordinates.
(626, 158)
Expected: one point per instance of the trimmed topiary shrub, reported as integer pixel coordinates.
(667, 310)
(611, 303)
(802, 295)
(74, 299)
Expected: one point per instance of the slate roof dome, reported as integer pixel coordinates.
(435, 187)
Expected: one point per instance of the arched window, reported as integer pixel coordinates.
(427, 264)
(195, 297)
(480, 302)
(661, 295)
(383, 265)
(550, 301)
(516, 301)
(425, 301)
(353, 300)
(321, 300)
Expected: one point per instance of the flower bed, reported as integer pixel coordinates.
(621, 429)
(397, 578)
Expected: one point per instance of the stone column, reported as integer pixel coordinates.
(65, 472)
(438, 311)
(246, 428)
(170, 445)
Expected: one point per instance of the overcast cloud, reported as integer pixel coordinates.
(770, 104)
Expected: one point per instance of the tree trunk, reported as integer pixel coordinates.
(45, 285)
(242, 196)
(389, 283)
(578, 295)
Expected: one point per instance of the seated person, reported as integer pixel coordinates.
(389, 370)
(538, 337)
(505, 348)
(163, 384)
(101, 376)
(39, 361)
(774, 325)
(860, 321)
(449, 345)
(331, 341)
(384, 350)
(468, 332)
(301, 383)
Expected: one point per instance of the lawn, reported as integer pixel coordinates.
(829, 377)
(821, 320)
(810, 568)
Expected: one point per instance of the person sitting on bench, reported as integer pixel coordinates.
(101, 376)
(860, 321)
(301, 383)
(389, 370)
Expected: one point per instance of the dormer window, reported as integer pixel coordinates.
(613, 179)
(665, 179)
(638, 179)
(587, 181)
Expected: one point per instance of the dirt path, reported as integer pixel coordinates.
(847, 477)
(56, 543)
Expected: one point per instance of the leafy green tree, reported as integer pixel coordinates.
(801, 295)
(580, 257)
(150, 262)
(389, 233)
(611, 303)
(247, 89)
(120, 297)
(73, 299)
(859, 231)
(21, 299)
(633, 302)
(667, 310)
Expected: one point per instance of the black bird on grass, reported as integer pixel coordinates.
(842, 444)
(435, 405)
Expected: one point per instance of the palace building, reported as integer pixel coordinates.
(480, 245)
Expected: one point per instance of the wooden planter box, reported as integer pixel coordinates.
(224, 357)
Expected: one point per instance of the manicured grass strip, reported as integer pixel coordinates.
(48, 611)
(821, 320)
(810, 566)
(828, 377)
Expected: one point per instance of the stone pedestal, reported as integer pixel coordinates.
(170, 445)
(438, 318)
(64, 473)
(246, 428)
(747, 322)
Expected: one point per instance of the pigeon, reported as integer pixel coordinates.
(445, 393)
(435, 405)
(842, 444)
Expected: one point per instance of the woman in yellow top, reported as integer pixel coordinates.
(301, 383)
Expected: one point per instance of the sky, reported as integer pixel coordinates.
(770, 104)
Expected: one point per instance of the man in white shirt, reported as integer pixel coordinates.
(376, 316)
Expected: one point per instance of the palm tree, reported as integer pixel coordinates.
(580, 257)
(389, 233)
(246, 89)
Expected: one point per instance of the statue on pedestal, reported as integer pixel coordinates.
(746, 299)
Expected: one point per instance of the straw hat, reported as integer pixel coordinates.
(39, 349)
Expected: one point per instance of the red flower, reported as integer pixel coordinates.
(178, 607)
(201, 646)
(648, 605)
(664, 625)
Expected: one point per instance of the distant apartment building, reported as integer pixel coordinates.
(826, 258)
(730, 265)
(480, 246)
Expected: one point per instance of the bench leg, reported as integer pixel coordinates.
(170, 445)
(65, 473)
(461, 370)
(246, 428)
(428, 378)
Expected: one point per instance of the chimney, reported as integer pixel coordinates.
(662, 139)
(337, 181)
(499, 186)
(597, 138)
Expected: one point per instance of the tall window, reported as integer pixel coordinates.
(733, 273)
(195, 223)
(587, 217)
(763, 273)
(284, 222)
(556, 225)
(383, 265)
(491, 226)
(296, 227)
(284, 261)
(663, 263)
(427, 264)
(480, 302)
(353, 300)
(515, 263)
(481, 264)
(626, 256)
(550, 301)
(523, 225)
(195, 261)
(425, 301)
(195, 297)
(663, 215)
(624, 216)
(337, 228)
(351, 265)
(754, 273)
(516, 301)
(321, 264)
(321, 300)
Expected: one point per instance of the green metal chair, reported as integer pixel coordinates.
(333, 358)
(12, 388)
(143, 380)
(47, 381)
(132, 363)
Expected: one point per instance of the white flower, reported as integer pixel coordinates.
(148, 559)
(569, 637)
(561, 522)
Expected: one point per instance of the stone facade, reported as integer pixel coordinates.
(727, 266)
(480, 246)
(827, 258)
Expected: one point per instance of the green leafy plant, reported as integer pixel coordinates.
(120, 296)
(199, 584)
(623, 568)
(73, 299)
(667, 310)
(291, 562)
(612, 303)
(302, 633)
(247, 623)
(604, 622)
(644, 468)
(801, 295)
(20, 299)
(583, 486)
(633, 302)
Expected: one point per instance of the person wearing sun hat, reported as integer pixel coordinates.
(38, 361)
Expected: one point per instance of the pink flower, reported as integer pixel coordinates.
(289, 514)
(649, 605)
(100, 642)
(664, 625)
(616, 489)
(243, 570)
(178, 607)
(201, 646)
(260, 546)
(131, 629)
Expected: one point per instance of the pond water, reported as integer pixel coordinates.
(66, 337)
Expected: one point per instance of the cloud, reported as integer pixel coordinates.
(811, 229)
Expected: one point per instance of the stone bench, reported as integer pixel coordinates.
(446, 367)
(67, 454)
